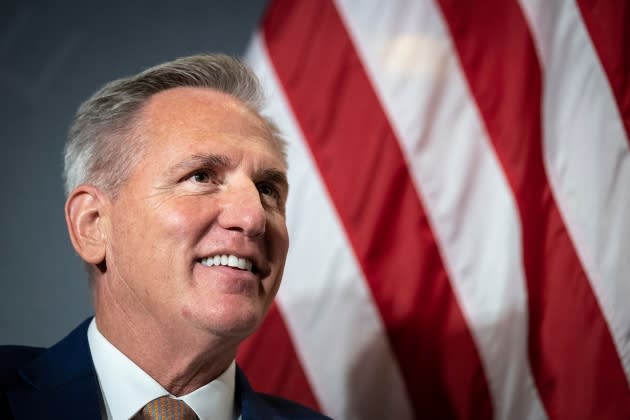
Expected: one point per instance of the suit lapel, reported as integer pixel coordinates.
(248, 402)
(60, 383)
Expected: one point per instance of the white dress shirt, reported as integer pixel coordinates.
(126, 388)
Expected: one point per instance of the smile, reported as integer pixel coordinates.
(229, 261)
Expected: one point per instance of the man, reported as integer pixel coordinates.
(176, 190)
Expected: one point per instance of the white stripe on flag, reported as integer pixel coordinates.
(586, 157)
(329, 311)
(412, 63)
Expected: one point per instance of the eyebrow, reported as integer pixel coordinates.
(203, 160)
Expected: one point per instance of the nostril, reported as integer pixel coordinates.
(247, 224)
(248, 232)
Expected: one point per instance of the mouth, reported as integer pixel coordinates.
(229, 260)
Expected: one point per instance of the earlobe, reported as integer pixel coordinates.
(84, 218)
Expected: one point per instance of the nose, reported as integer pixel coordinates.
(242, 210)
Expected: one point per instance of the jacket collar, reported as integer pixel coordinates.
(251, 406)
(60, 383)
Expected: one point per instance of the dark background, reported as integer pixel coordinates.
(53, 55)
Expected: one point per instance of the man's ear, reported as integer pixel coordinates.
(85, 212)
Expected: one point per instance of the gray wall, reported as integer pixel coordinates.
(53, 55)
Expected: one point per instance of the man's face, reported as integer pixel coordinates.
(197, 235)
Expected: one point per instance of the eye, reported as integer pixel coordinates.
(202, 177)
(268, 189)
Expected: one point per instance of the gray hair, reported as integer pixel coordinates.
(100, 149)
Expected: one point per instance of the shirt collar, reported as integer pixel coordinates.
(126, 388)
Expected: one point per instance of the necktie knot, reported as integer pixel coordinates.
(166, 408)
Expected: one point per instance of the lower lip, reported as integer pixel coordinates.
(229, 279)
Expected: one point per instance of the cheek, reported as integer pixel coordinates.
(183, 222)
(154, 240)
(278, 245)
(280, 238)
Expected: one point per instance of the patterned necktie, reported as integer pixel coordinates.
(166, 408)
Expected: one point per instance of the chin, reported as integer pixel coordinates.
(231, 320)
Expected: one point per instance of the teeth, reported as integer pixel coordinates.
(232, 261)
(228, 260)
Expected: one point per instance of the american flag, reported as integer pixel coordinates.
(459, 209)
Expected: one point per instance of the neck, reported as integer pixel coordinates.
(179, 359)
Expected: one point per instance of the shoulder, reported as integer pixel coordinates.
(12, 358)
(18, 355)
(286, 409)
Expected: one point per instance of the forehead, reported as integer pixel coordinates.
(189, 117)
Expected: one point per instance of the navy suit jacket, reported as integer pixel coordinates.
(61, 383)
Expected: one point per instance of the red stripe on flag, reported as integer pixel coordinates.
(366, 176)
(287, 378)
(608, 23)
(573, 358)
